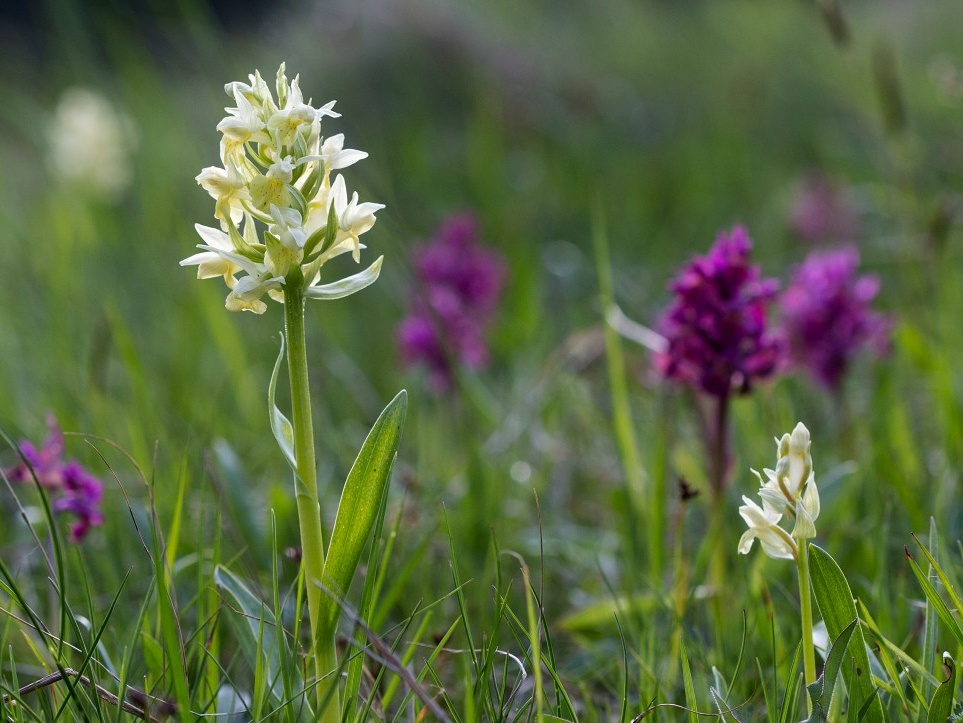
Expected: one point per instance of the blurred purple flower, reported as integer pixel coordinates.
(826, 315)
(456, 293)
(716, 334)
(73, 489)
(822, 211)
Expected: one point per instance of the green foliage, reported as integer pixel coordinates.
(264, 645)
(821, 691)
(835, 600)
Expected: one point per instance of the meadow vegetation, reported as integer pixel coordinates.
(567, 187)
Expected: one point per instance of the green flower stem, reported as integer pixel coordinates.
(323, 649)
(806, 612)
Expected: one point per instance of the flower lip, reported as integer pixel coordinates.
(763, 525)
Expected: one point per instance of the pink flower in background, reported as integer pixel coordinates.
(822, 211)
(826, 315)
(716, 332)
(73, 489)
(458, 285)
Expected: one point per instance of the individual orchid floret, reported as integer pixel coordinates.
(73, 490)
(353, 218)
(281, 217)
(717, 337)
(827, 317)
(763, 525)
(81, 497)
(336, 156)
(229, 190)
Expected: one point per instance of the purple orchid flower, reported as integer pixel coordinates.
(73, 489)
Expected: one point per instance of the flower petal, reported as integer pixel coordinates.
(346, 286)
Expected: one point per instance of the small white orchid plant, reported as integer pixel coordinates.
(281, 216)
(281, 219)
(788, 492)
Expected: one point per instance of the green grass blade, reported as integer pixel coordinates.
(933, 598)
(789, 702)
(622, 421)
(955, 600)
(930, 624)
(259, 637)
(690, 697)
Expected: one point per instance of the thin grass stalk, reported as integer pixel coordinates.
(323, 650)
(636, 484)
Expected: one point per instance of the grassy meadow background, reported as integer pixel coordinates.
(666, 120)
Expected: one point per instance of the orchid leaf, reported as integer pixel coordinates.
(361, 500)
(835, 599)
(942, 704)
(821, 691)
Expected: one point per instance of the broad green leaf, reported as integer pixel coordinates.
(595, 619)
(942, 704)
(263, 643)
(281, 425)
(835, 600)
(360, 502)
(821, 691)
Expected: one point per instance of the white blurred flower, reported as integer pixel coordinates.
(90, 143)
